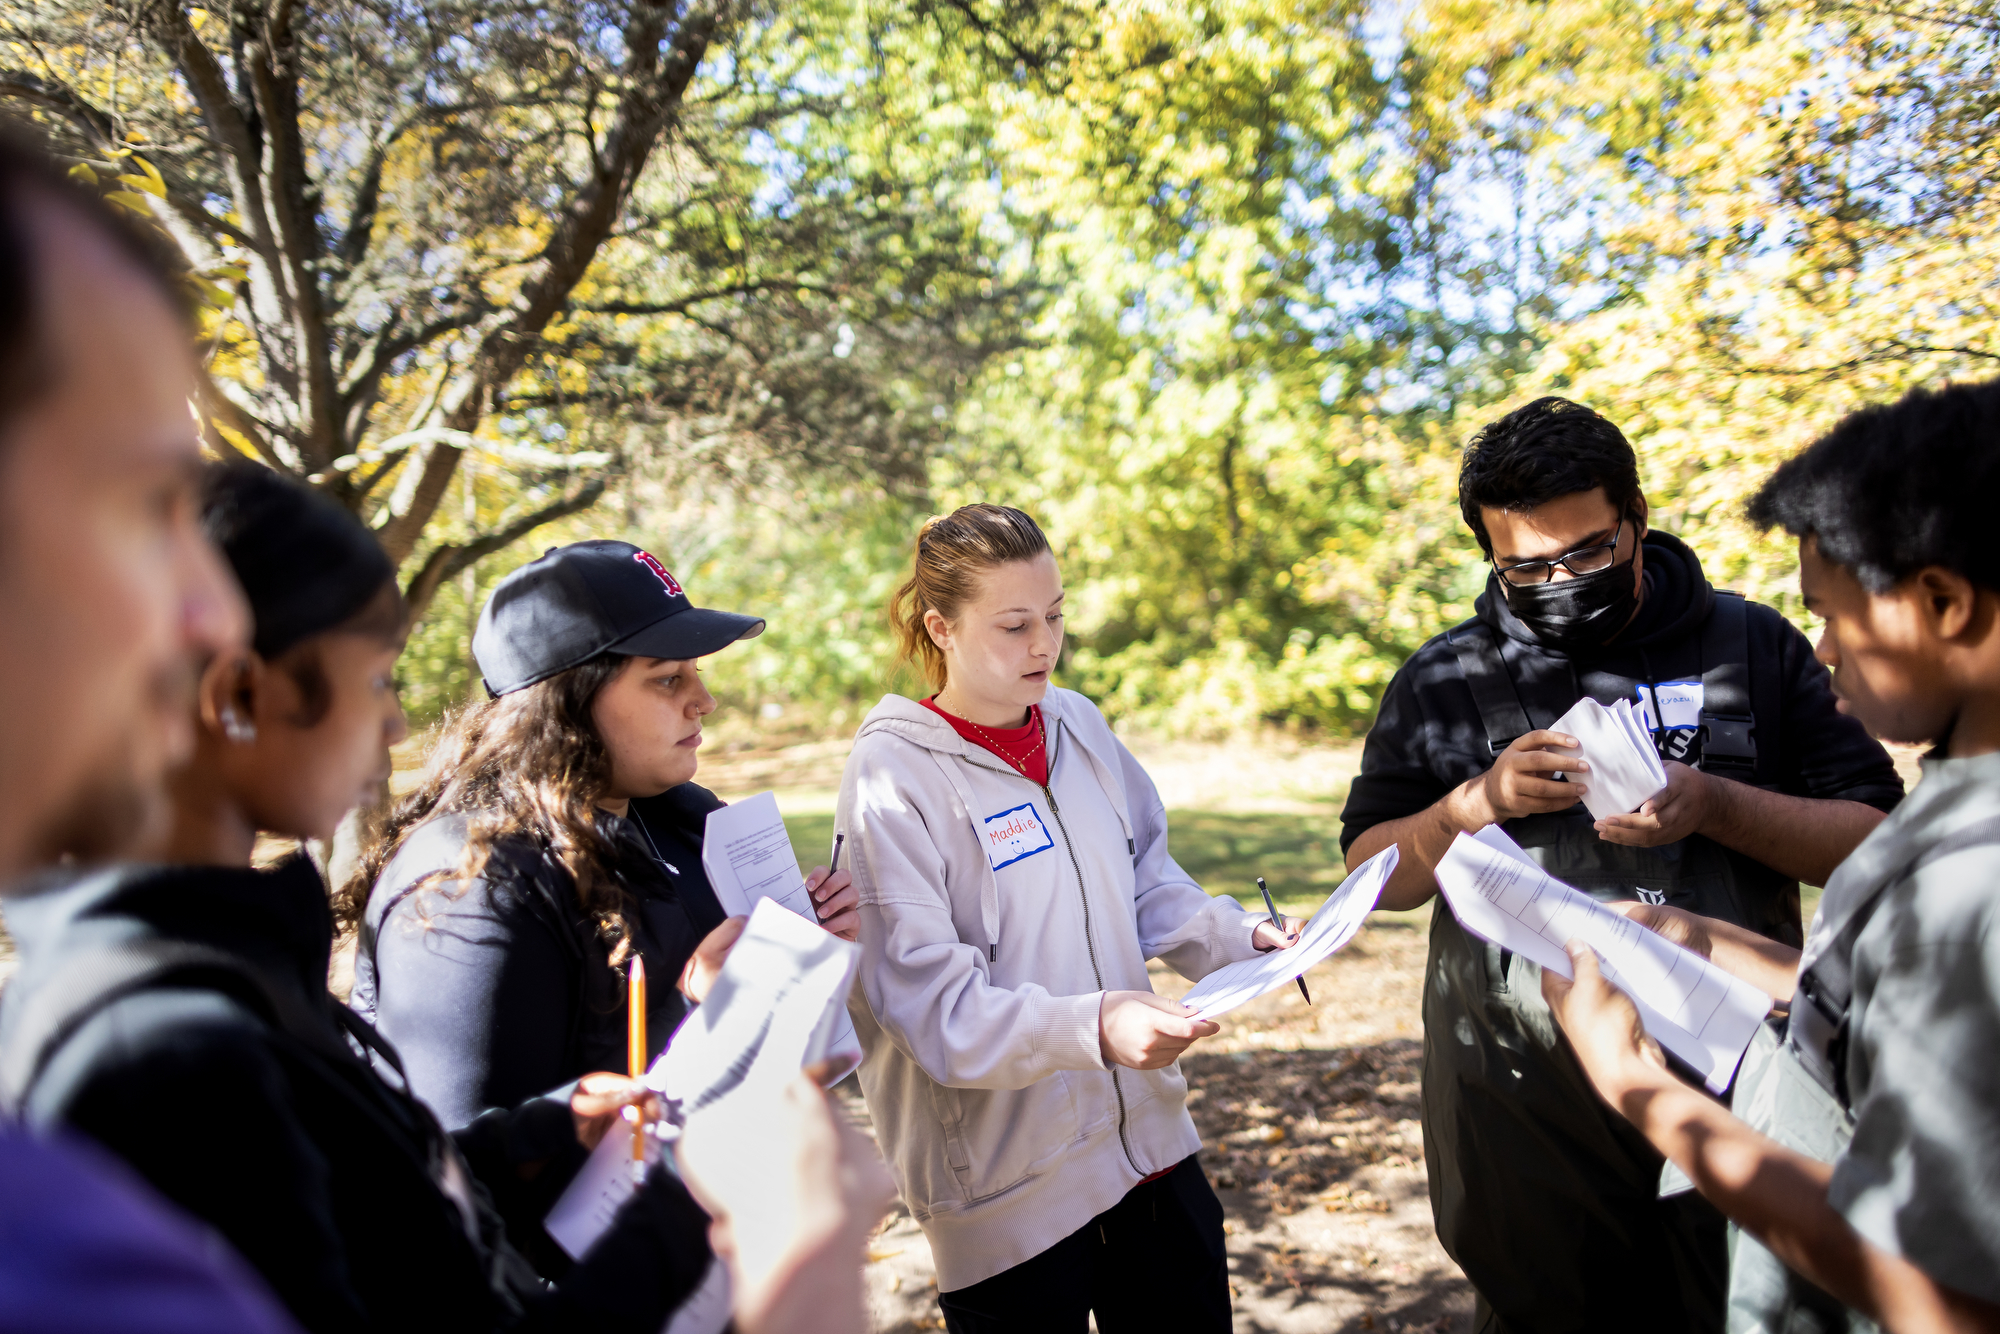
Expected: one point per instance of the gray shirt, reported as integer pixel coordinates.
(1921, 1177)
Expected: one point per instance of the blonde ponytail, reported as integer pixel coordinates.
(953, 551)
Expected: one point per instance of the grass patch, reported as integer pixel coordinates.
(1298, 855)
(812, 839)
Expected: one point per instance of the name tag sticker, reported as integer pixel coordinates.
(1014, 834)
(1680, 705)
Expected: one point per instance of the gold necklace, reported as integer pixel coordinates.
(993, 742)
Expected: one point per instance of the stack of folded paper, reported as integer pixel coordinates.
(1625, 770)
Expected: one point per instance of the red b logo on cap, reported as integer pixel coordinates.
(673, 586)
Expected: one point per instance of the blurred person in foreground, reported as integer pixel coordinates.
(199, 984)
(1863, 1158)
(1556, 1208)
(110, 596)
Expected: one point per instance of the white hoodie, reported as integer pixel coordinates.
(995, 913)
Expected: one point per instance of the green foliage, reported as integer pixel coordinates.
(1215, 290)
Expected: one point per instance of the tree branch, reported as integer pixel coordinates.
(206, 81)
(384, 354)
(653, 90)
(681, 305)
(448, 559)
(274, 83)
(95, 126)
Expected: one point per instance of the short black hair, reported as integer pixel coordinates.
(1550, 448)
(28, 171)
(306, 565)
(1897, 488)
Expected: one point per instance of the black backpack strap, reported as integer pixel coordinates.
(1479, 662)
(1819, 1028)
(1728, 729)
(51, 1015)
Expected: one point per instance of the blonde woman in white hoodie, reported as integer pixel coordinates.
(1011, 858)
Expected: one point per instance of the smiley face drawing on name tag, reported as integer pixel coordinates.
(1015, 833)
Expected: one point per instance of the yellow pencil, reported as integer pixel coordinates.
(635, 1058)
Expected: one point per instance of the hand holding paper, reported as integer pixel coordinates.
(1625, 770)
(748, 856)
(1333, 924)
(1695, 1010)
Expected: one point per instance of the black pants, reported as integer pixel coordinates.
(1153, 1261)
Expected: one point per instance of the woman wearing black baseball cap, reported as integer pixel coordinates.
(554, 834)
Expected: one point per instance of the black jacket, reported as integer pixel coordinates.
(242, 1095)
(503, 991)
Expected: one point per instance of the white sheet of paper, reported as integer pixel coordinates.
(748, 856)
(598, 1191)
(594, 1198)
(1695, 1010)
(1624, 768)
(1333, 924)
(769, 1013)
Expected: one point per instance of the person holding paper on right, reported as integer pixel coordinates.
(1865, 1147)
(1548, 1201)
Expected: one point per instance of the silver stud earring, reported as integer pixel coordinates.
(237, 728)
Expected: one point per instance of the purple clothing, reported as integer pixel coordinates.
(86, 1247)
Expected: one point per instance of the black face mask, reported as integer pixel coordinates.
(1578, 613)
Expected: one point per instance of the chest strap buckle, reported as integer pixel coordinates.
(1728, 742)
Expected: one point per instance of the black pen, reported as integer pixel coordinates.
(1279, 922)
(833, 864)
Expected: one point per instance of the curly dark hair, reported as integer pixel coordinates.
(1898, 487)
(1550, 448)
(527, 764)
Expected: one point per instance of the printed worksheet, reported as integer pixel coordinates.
(600, 1188)
(1699, 1012)
(1333, 924)
(594, 1198)
(770, 1012)
(748, 856)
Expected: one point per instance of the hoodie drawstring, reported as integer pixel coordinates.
(989, 890)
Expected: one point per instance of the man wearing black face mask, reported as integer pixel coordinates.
(1547, 1199)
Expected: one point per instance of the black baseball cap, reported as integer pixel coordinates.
(592, 598)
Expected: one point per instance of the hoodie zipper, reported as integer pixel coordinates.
(1117, 1088)
(1089, 945)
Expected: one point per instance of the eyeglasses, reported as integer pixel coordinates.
(1587, 560)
